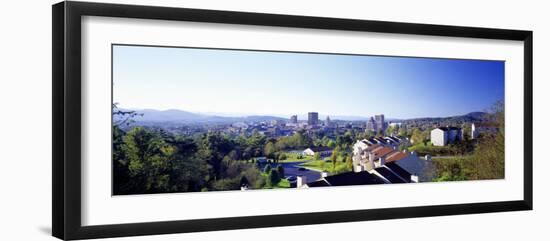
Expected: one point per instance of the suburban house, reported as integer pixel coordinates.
(370, 157)
(485, 128)
(442, 136)
(390, 141)
(386, 174)
(322, 150)
(376, 161)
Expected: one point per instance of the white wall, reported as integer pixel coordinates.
(438, 137)
(25, 102)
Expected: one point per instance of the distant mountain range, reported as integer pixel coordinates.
(470, 117)
(150, 115)
(173, 115)
(451, 120)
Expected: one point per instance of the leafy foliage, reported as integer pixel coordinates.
(151, 161)
(486, 160)
(273, 178)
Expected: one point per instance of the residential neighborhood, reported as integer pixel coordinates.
(200, 120)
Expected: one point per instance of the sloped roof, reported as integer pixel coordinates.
(353, 178)
(394, 138)
(373, 147)
(389, 175)
(319, 183)
(379, 152)
(399, 171)
(396, 156)
(380, 139)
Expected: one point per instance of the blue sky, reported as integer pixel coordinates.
(237, 82)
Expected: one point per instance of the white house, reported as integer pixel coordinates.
(442, 136)
(322, 150)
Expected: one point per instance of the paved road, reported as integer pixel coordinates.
(292, 170)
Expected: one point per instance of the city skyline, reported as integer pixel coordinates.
(234, 82)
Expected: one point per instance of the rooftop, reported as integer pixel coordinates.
(394, 138)
(389, 175)
(319, 183)
(396, 156)
(353, 178)
(399, 170)
(379, 152)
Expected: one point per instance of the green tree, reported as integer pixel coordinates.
(369, 134)
(334, 158)
(269, 150)
(331, 144)
(227, 184)
(390, 130)
(121, 177)
(187, 172)
(489, 153)
(317, 156)
(418, 136)
(267, 168)
(254, 177)
(402, 131)
(273, 178)
(281, 171)
(213, 147)
(148, 159)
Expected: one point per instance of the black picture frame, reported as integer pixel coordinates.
(66, 127)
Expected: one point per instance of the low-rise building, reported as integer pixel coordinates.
(377, 164)
(367, 157)
(442, 136)
(322, 150)
(385, 174)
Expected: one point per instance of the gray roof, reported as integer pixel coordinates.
(399, 170)
(353, 178)
(389, 175)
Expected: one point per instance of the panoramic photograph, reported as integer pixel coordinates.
(201, 120)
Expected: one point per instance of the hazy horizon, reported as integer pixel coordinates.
(278, 84)
(301, 116)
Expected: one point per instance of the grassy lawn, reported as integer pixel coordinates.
(293, 157)
(422, 149)
(283, 184)
(318, 165)
(326, 165)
